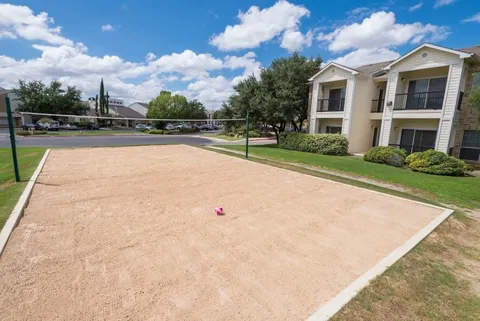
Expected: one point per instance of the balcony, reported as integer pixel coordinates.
(377, 105)
(332, 104)
(432, 100)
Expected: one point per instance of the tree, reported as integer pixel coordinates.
(290, 77)
(474, 101)
(168, 106)
(279, 97)
(37, 97)
(106, 103)
(96, 105)
(102, 98)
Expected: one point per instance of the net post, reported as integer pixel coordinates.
(246, 134)
(12, 139)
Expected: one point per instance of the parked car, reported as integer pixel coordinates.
(68, 127)
(32, 126)
(149, 127)
(170, 127)
(206, 127)
(139, 127)
(92, 126)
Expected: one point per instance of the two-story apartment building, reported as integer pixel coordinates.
(415, 102)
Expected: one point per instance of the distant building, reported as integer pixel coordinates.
(139, 107)
(17, 118)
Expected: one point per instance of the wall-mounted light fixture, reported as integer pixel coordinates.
(378, 87)
(403, 79)
(395, 129)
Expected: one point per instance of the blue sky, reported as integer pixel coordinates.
(203, 48)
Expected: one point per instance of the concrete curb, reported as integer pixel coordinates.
(17, 212)
(329, 309)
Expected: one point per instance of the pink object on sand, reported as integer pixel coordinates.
(219, 210)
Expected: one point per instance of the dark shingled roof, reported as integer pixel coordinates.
(372, 68)
(474, 49)
(126, 112)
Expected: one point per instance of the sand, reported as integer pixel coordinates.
(131, 234)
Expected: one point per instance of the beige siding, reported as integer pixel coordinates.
(434, 58)
(350, 93)
(323, 123)
(399, 124)
(449, 106)
(332, 73)
(387, 113)
(360, 138)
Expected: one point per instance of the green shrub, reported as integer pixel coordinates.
(326, 144)
(156, 132)
(386, 155)
(28, 133)
(171, 132)
(142, 129)
(438, 163)
(253, 134)
(188, 130)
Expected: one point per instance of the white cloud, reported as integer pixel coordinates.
(107, 27)
(474, 18)
(212, 91)
(366, 56)
(20, 21)
(441, 3)
(247, 61)
(188, 63)
(380, 31)
(150, 56)
(71, 64)
(257, 26)
(416, 7)
(294, 40)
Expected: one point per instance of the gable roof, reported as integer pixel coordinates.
(472, 50)
(462, 54)
(373, 68)
(126, 112)
(141, 104)
(353, 71)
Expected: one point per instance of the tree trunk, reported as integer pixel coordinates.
(295, 127)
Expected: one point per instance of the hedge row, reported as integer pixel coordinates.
(325, 144)
(163, 132)
(28, 133)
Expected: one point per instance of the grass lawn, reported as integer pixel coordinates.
(28, 159)
(437, 280)
(229, 138)
(460, 191)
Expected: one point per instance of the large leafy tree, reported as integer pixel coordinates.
(278, 97)
(168, 106)
(35, 96)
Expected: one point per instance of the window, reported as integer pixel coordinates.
(476, 80)
(334, 130)
(426, 93)
(417, 140)
(470, 149)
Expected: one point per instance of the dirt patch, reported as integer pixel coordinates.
(131, 233)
